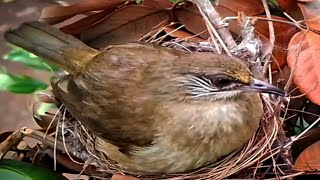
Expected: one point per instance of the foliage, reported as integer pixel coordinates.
(30, 60)
(10, 169)
(19, 83)
(23, 84)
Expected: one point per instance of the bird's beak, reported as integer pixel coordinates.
(263, 87)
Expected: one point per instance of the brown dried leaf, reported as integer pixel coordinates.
(311, 113)
(265, 44)
(283, 33)
(123, 177)
(127, 24)
(77, 27)
(295, 105)
(161, 4)
(56, 14)
(279, 52)
(303, 60)
(181, 34)
(307, 0)
(311, 14)
(309, 138)
(291, 7)
(309, 159)
(191, 18)
(249, 7)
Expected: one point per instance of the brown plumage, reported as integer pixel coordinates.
(154, 109)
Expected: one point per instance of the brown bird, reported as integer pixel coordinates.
(154, 109)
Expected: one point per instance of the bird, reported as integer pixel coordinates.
(152, 108)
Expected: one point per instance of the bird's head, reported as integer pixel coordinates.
(215, 77)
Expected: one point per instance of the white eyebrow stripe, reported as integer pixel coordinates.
(201, 83)
(204, 82)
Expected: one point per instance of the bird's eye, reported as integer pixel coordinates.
(222, 82)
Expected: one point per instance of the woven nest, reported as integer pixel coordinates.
(259, 157)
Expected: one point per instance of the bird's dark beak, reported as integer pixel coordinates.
(263, 87)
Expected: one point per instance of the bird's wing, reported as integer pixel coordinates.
(110, 96)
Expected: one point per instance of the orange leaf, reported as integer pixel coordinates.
(283, 33)
(303, 60)
(309, 159)
(249, 7)
(310, 13)
(126, 24)
(56, 14)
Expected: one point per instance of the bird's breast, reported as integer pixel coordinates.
(196, 135)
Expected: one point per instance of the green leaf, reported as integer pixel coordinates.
(300, 122)
(45, 107)
(10, 169)
(29, 59)
(19, 83)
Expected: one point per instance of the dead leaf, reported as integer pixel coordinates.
(283, 33)
(249, 7)
(123, 177)
(127, 24)
(77, 27)
(280, 79)
(306, 0)
(56, 14)
(311, 113)
(311, 14)
(161, 4)
(303, 60)
(309, 159)
(191, 18)
(291, 7)
(309, 138)
(279, 53)
(181, 34)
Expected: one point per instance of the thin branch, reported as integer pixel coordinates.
(293, 20)
(11, 141)
(211, 30)
(272, 37)
(296, 24)
(215, 19)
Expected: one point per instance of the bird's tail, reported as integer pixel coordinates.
(52, 45)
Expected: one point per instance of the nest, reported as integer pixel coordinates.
(265, 155)
(259, 158)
